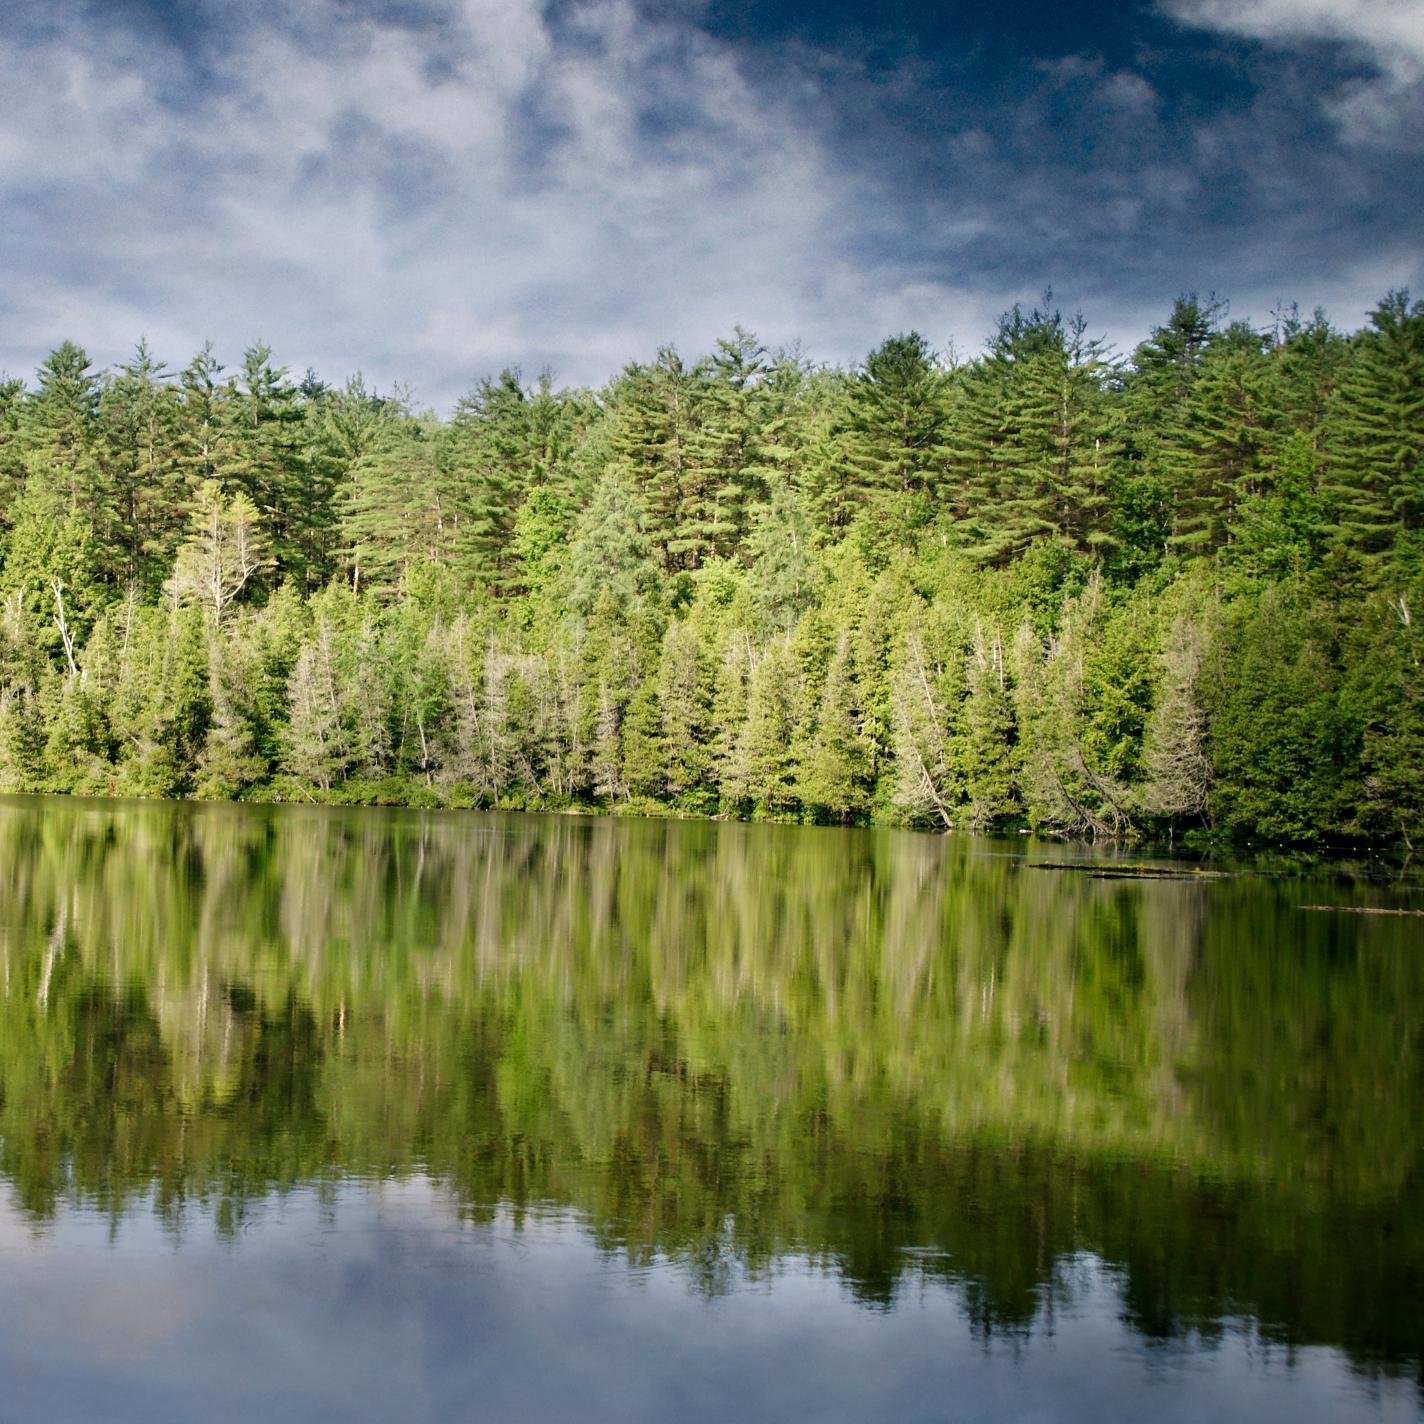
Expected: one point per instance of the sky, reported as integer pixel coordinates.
(428, 191)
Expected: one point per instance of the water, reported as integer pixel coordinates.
(309, 1114)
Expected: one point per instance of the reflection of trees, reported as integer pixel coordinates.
(884, 1051)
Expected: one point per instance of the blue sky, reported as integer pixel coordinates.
(428, 190)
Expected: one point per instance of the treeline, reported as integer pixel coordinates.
(1045, 586)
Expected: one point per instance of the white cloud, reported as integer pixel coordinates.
(521, 201)
(431, 204)
(1391, 30)
(1369, 110)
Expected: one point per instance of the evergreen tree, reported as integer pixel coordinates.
(896, 414)
(834, 770)
(59, 437)
(986, 751)
(1279, 749)
(271, 466)
(12, 460)
(655, 415)
(747, 582)
(1217, 462)
(610, 555)
(1375, 435)
(684, 697)
(763, 766)
(784, 570)
(22, 740)
(1391, 664)
(1033, 449)
(1176, 755)
(138, 413)
(721, 479)
(491, 463)
(398, 507)
(230, 761)
(316, 747)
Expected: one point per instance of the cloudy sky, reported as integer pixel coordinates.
(428, 190)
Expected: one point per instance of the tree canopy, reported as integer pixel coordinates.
(1048, 586)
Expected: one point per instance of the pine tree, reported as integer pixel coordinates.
(22, 740)
(1158, 384)
(265, 424)
(12, 460)
(1218, 460)
(1176, 757)
(763, 767)
(230, 762)
(1033, 451)
(607, 762)
(684, 706)
(896, 413)
(205, 440)
(784, 570)
(729, 716)
(1276, 736)
(985, 753)
(655, 414)
(49, 571)
(59, 435)
(1375, 431)
(75, 741)
(1384, 689)
(826, 477)
(159, 706)
(835, 767)
(610, 555)
(721, 477)
(491, 461)
(316, 744)
(1166, 366)
(138, 413)
(398, 508)
(644, 770)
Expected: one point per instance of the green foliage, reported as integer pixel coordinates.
(1281, 740)
(1376, 430)
(1038, 587)
(835, 768)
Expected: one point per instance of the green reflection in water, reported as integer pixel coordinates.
(901, 1056)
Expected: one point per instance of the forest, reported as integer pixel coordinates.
(1046, 586)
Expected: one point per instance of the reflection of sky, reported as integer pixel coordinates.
(429, 189)
(381, 1305)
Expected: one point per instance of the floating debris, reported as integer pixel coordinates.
(1099, 871)
(1363, 910)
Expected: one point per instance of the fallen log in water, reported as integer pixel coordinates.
(1099, 871)
(1363, 910)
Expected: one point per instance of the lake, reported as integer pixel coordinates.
(316, 1114)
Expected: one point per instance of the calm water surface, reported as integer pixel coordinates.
(321, 1115)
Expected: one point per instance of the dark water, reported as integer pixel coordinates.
(311, 1115)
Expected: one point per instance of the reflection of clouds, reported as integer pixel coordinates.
(20, 1236)
(69, 1283)
(385, 1307)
